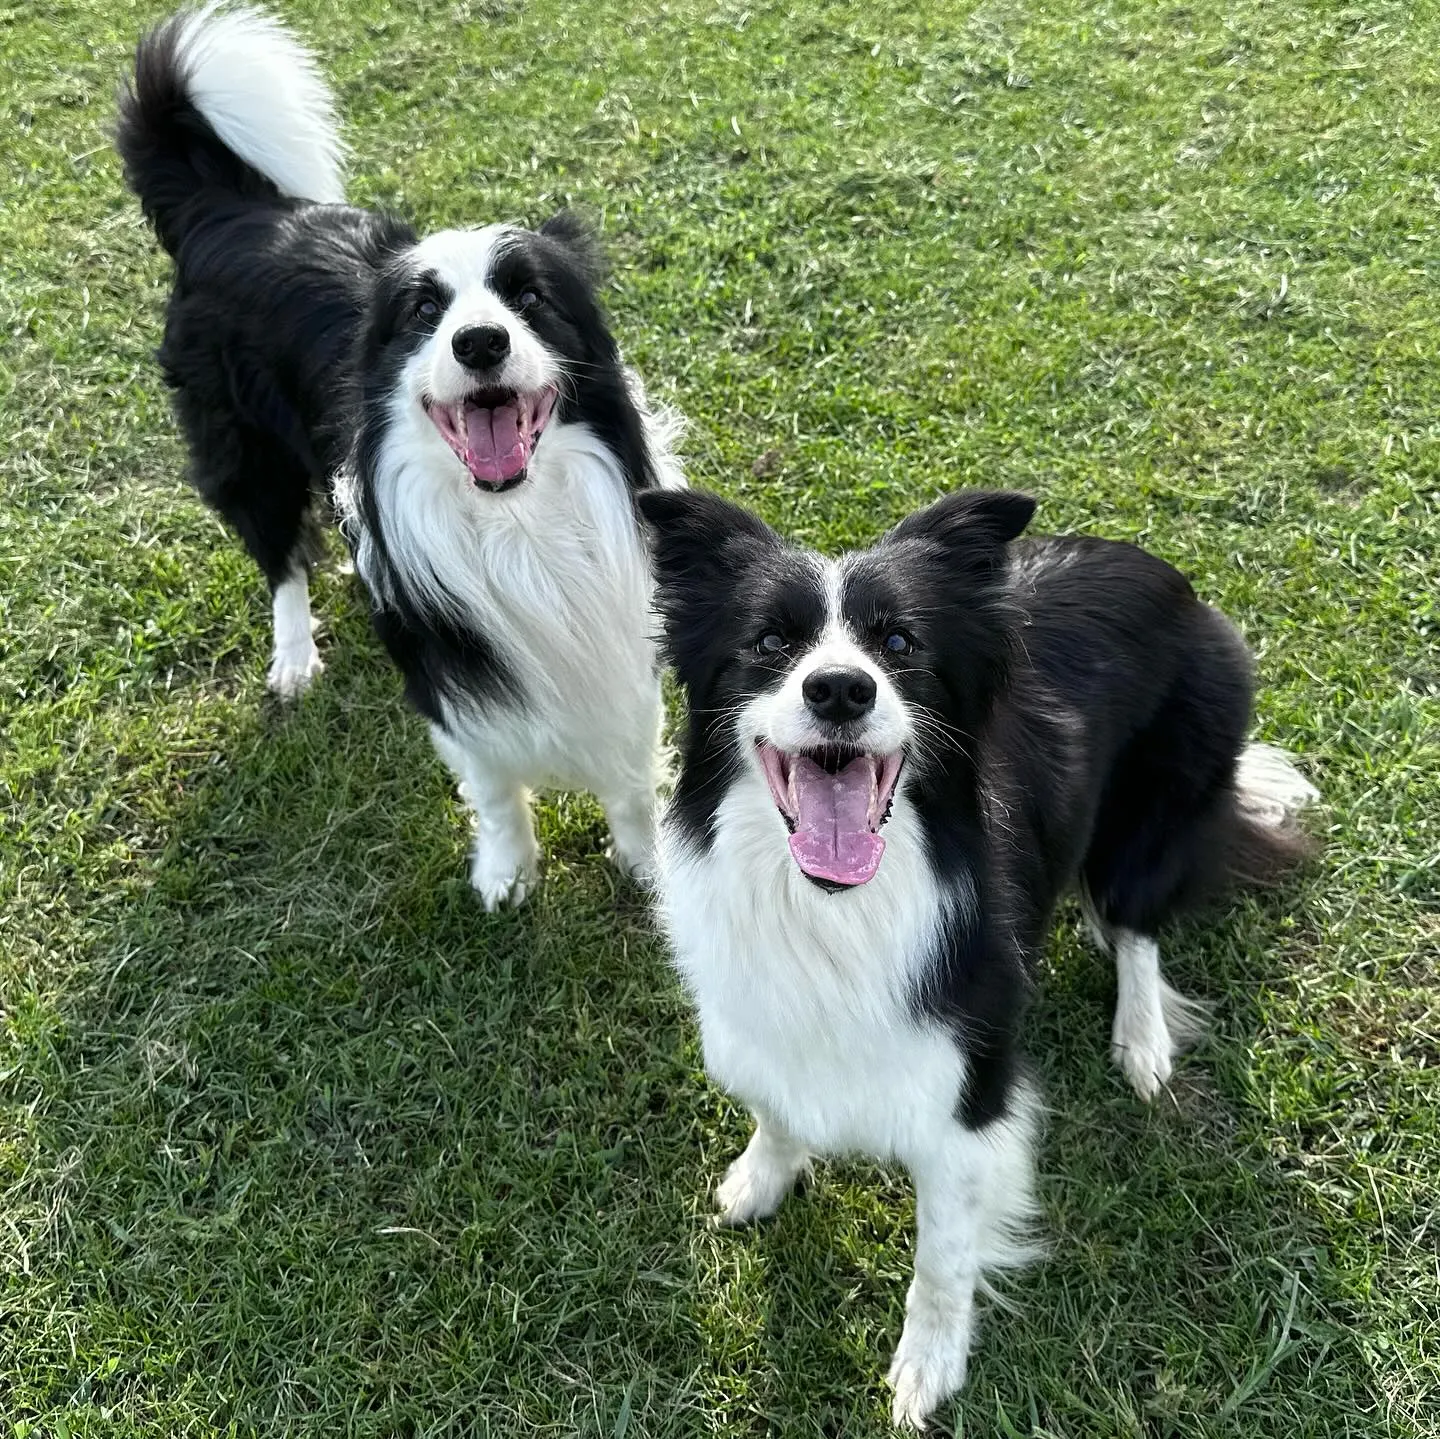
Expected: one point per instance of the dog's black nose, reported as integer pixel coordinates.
(477, 347)
(839, 695)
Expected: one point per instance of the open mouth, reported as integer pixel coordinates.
(834, 800)
(493, 432)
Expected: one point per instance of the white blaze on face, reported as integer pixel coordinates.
(491, 418)
(834, 803)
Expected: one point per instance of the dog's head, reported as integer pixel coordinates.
(828, 680)
(486, 336)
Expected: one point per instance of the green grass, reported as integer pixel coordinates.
(294, 1140)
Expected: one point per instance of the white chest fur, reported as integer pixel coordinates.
(559, 584)
(806, 999)
(554, 575)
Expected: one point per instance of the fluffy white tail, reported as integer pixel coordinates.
(264, 96)
(1270, 788)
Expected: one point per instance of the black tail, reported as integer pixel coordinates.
(224, 101)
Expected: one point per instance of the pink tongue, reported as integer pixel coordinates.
(494, 449)
(833, 839)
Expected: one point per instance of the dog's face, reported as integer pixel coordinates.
(826, 680)
(482, 331)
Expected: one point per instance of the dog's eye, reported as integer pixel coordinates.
(529, 300)
(897, 642)
(427, 308)
(770, 643)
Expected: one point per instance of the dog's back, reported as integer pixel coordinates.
(1161, 688)
(229, 140)
(1129, 714)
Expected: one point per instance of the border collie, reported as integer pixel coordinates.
(895, 763)
(463, 395)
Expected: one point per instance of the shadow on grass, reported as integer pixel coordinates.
(319, 1147)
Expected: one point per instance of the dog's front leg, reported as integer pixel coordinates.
(627, 793)
(632, 831)
(934, 1349)
(505, 862)
(973, 1199)
(757, 1182)
(505, 857)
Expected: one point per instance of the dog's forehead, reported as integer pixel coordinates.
(793, 586)
(463, 258)
(872, 585)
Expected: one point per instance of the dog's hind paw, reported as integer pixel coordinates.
(503, 885)
(293, 670)
(1145, 1045)
(1144, 1061)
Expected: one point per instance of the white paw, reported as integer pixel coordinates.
(930, 1360)
(500, 880)
(292, 670)
(752, 1190)
(1144, 1044)
(634, 864)
(1140, 1045)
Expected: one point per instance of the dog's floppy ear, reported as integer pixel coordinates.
(580, 241)
(985, 519)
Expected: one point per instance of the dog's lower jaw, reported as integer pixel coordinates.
(933, 1354)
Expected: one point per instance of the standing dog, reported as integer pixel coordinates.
(492, 442)
(895, 763)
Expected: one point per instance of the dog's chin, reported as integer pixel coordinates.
(834, 799)
(493, 431)
(505, 486)
(829, 886)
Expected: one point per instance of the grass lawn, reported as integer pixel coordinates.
(294, 1140)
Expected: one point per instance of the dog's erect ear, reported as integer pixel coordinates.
(702, 548)
(698, 541)
(959, 543)
(580, 241)
(979, 519)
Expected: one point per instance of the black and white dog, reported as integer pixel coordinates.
(895, 764)
(461, 392)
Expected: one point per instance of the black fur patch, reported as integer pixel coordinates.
(269, 296)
